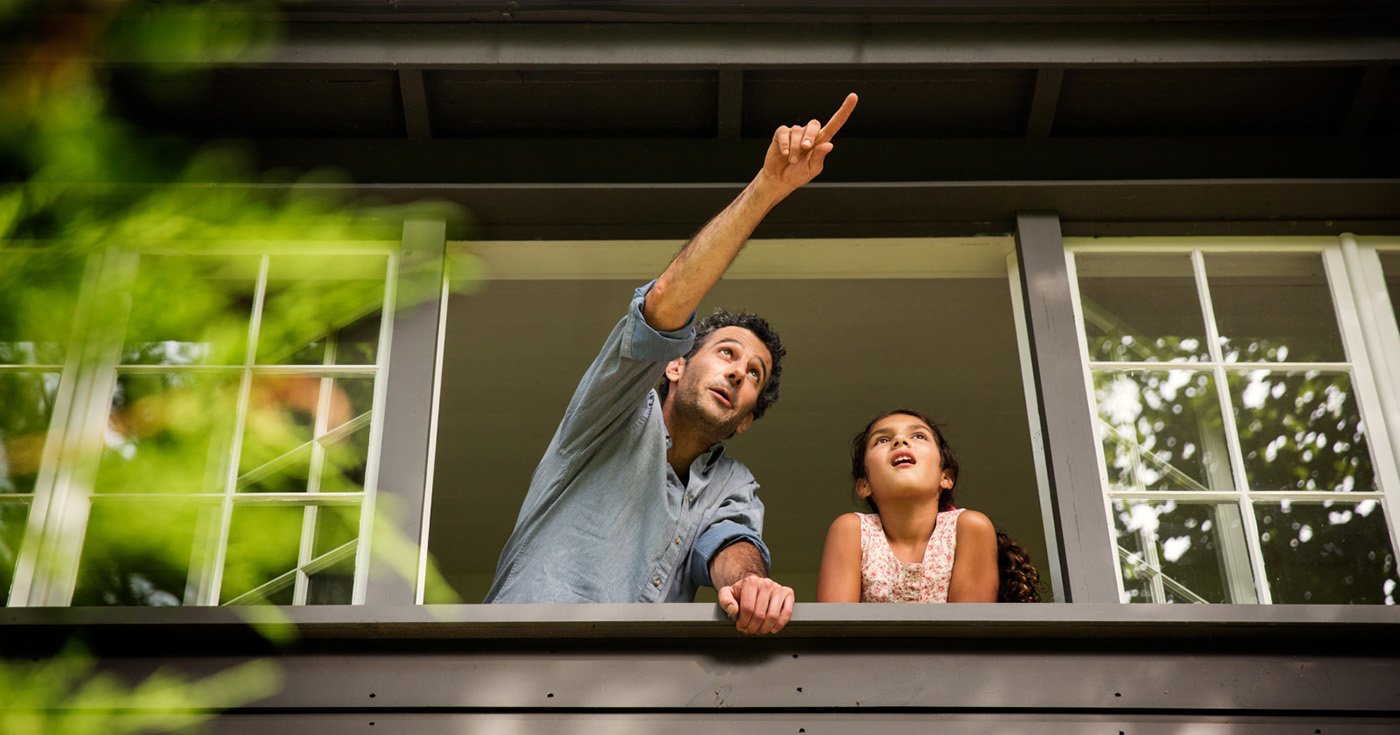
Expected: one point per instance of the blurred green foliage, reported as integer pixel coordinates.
(65, 695)
(139, 256)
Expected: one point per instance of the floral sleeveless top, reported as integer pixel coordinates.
(884, 578)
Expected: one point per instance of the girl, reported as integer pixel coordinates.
(916, 547)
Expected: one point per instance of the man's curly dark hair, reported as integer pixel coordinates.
(760, 327)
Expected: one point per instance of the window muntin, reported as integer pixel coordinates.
(41, 294)
(1205, 520)
(223, 387)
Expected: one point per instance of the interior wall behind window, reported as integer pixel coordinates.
(861, 340)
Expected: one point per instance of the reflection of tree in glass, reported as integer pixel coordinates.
(168, 433)
(1301, 431)
(1113, 340)
(1327, 552)
(1162, 430)
(1185, 554)
(26, 404)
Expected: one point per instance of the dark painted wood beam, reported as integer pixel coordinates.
(624, 211)
(540, 160)
(415, 104)
(1041, 118)
(731, 104)
(1368, 97)
(845, 46)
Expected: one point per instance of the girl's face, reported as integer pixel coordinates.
(902, 460)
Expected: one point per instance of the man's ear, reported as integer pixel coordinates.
(862, 488)
(744, 425)
(675, 369)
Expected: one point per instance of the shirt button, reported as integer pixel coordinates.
(678, 540)
(656, 582)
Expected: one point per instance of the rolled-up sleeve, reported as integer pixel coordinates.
(715, 538)
(644, 343)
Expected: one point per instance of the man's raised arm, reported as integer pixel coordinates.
(795, 156)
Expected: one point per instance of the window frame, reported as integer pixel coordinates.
(1360, 347)
(46, 570)
(1045, 295)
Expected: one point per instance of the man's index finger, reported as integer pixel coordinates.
(838, 119)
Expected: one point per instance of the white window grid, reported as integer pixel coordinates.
(49, 454)
(1371, 345)
(46, 571)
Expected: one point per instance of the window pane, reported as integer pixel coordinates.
(1332, 552)
(188, 310)
(282, 418)
(262, 545)
(1273, 307)
(1301, 431)
(284, 473)
(1140, 307)
(343, 470)
(168, 433)
(318, 301)
(1161, 430)
(351, 399)
(1171, 551)
(332, 586)
(281, 423)
(13, 517)
(335, 527)
(139, 552)
(26, 405)
(38, 292)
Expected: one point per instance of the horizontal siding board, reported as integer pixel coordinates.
(544, 723)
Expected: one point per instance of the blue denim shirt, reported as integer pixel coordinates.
(606, 518)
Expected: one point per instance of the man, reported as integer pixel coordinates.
(635, 499)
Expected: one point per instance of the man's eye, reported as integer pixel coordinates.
(726, 351)
(753, 374)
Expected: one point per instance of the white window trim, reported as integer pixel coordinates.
(1371, 351)
(46, 570)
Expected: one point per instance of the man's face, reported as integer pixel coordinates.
(719, 385)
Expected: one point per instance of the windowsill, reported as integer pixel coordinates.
(1336, 623)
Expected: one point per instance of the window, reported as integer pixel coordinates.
(193, 428)
(869, 325)
(1244, 450)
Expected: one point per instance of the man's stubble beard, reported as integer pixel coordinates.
(690, 412)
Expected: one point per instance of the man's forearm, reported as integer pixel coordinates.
(736, 561)
(700, 264)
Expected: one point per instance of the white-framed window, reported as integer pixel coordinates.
(203, 429)
(1246, 417)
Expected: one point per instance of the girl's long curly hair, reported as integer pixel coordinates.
(1019, 579)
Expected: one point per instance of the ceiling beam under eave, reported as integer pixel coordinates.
(414, 97)
(730, 108)
(608, 211)
(519, 46)
(1041, 117)
(1368, 97)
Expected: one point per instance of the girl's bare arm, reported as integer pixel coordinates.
(975, 575)
(839, 578)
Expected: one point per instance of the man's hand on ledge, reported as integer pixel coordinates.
(758, 604)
